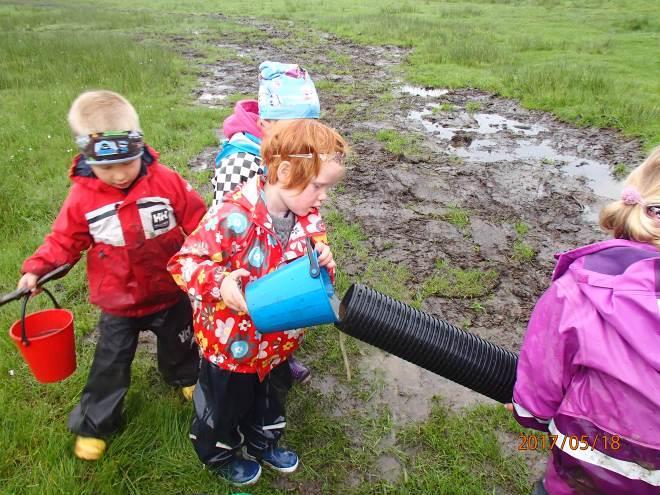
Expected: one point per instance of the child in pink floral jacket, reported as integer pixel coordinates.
(244, 378)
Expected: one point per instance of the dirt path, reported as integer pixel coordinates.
(523, 184)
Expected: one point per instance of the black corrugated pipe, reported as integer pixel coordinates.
(428, 342)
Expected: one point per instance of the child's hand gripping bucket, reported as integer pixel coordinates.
(45, 338)
(296, 295)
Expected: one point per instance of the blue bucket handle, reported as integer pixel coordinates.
(314, 269)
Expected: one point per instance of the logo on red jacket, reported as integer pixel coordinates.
(160, 219)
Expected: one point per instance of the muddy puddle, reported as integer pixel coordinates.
(488, 138)
(408, 389)
(504, 166)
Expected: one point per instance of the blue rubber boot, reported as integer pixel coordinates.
(277, 458)
(239, 472)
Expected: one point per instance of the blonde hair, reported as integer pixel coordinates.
(295, 137)
(102, 111)
(631, 221)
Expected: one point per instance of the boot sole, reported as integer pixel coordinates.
(248, 482)
(271, 466)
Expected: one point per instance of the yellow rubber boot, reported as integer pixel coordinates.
(89, 448)
(188, 392)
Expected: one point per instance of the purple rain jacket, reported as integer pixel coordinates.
(589, 371)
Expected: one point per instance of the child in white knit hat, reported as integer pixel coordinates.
(286, 92)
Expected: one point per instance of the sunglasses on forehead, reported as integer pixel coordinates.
(326, 157)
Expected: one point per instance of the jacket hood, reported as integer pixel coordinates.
(244, 119)
(81, 172)
(250, 198)
(621, 279)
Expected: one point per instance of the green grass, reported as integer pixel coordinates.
(398, 143)
(458, 217)
(472, 106)
(443, 107)
(448, 281)
(460, 455)
(522, 252)
(588, 62)
(620, 171)
(521, 228)
(344, 109)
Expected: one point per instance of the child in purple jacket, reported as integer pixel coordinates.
(589, 367)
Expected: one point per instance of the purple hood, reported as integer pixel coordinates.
(621, 280)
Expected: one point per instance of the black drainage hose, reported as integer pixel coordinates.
(428, 342)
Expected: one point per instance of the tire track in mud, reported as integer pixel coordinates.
(520, 176)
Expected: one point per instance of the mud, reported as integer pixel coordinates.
(476, 151)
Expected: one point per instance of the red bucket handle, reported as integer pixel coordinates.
(24, 338)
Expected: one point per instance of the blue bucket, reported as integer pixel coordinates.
(297, 295)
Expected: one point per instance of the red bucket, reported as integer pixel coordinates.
(48, 345)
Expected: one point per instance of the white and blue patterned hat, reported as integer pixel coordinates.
(286, 92)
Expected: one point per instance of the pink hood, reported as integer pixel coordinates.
(244, 119)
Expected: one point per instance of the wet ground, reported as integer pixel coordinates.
(521, 177)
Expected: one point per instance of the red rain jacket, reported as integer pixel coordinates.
(239, 234)
(128, 236)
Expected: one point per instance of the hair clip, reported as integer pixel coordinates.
(631, 196)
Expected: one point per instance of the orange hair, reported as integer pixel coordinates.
(295, 137)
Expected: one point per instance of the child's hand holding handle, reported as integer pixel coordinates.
(28, 282)
(325, 256)
(231, 292)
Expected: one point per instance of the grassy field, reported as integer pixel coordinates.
(591, 62)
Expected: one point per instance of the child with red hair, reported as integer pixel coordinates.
(286, 92)
(244, 377)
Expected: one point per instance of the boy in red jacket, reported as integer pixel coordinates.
(130, 214)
